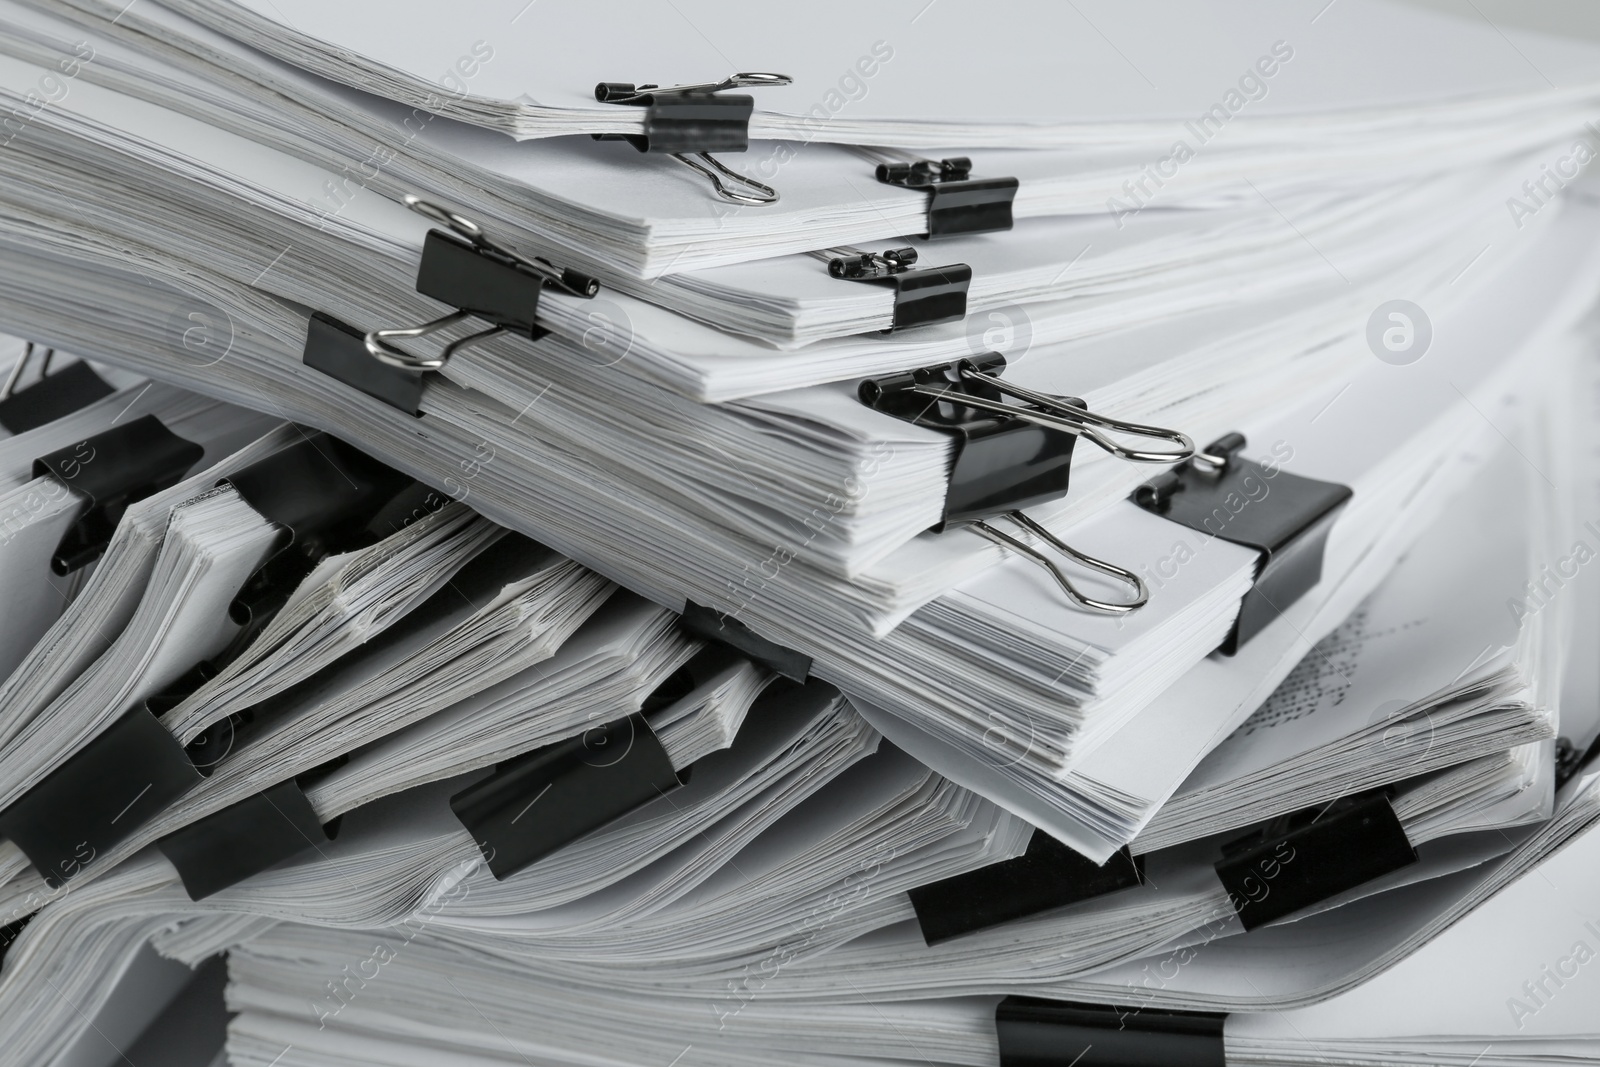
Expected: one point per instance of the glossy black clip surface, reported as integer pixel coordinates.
(712, 625)
(957, 202)
(687, 119)
(11, 931)
(113, 469)
(482, 282)
(1312, 855)
(682, 121)
(340, 351)
(999, 463)
(1049, 875)
(99, 796)
(1051, 1033)
(922, 296)
(323, 493)
(1570, 759)
(1285, 517)
(72, 388)
(540, 802)
(243, 839)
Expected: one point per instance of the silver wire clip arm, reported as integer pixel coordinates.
(628, 93)
(39, 389)
(19, 368)
(461, 266)
(742, 190)
(1056, 413)
(1141, 592)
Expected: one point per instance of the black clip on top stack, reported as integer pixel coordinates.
(689, 122)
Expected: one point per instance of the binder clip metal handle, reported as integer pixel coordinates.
(21, 366)
(628, 93)
(1212, 461)
(854, 264)
(567, 280)
(1068, 418)
(709, 167)
(1141, 592)
(378, 346)
(478, 266)
(916, 173)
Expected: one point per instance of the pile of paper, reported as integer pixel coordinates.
(989, 536)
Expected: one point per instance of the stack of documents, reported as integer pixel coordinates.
(981, 521)
(951, 632)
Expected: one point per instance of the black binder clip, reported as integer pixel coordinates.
(103, 793)
(51, 396)
(328, 497)
(709, 624)
(325, 495)
(1050, 1033)
(1049, 875)
(957, 202)
(1286, 517)
(244, 839)
(703, 667)
(340, 351)
(462, 267)
(921, 297)
(685, 120)
(1570, 759)
(99, 796)
(538, 803)
(1009, 456)
(11, 931)
(113, 469)
(214, 743)
(1312, 855)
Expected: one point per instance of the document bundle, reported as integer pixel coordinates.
(1057, 534)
